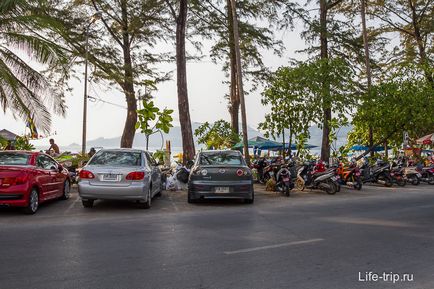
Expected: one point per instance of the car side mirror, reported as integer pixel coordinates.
(60, 168)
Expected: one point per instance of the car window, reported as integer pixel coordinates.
(221, 158)
(14, 159)
(116, 158)
(46, 163)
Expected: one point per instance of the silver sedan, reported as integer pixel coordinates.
(120, 174)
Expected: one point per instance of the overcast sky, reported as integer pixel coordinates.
(206, 96)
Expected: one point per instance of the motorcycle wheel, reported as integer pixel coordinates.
(388, 182)
(358, 184)
(299, 185)
(431, 180)
(332, 188)
(401, 182)
(415, 181)
(287, 191)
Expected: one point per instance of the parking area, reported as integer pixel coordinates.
(309, 240)
(173, 202)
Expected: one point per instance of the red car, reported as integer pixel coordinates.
(30, 178)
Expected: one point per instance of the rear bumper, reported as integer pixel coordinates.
(135, 191)
(16, 196)
(206, 190)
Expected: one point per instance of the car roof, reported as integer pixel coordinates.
(20, 152)
(220, 151)
(122, 150)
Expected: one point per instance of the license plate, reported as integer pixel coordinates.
(286, 179)
(419, 175)
(333, 178)
(110, 177)
(221, 190)
(358, 174)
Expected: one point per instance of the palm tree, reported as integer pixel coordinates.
(25, 91)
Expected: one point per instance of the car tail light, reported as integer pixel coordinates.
(12, 181)
(240, 172)
(135, 176)
(84, 174)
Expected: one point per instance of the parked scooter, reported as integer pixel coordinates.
(397, 174)
(350, 176)
(379, 174)
(312, 179)
(427, 175)
(284, 182)
(412, 175)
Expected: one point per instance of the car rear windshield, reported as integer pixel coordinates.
(211, 159)
(116, 158)
(13, 159)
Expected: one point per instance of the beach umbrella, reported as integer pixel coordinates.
(365, 148)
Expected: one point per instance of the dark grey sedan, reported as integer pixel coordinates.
(220, 175)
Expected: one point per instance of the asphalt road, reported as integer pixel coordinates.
(310, 240)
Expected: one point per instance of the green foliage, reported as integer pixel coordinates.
(152, 120)
(220, 135)
(22, 144)
(26, 92)
(296, 96)
(402, 103)
(160, 156)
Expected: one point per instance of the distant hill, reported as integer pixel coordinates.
(175, 137)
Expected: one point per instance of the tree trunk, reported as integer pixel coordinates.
(240, 81)
(368, 65)
(283, 143)
(181, 70)
(326, 107)
(234, 99)
(420, 43)
(290, 142)
(128, 85)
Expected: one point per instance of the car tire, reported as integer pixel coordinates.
(190, 200)
(66, 190)
(251, 200)
(87, 203)
(148, 203)
(33, 205)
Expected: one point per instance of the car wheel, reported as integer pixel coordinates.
(147, 204)
(87, 203)
(33, 205)
(251, 200)
(190, 200)
(66, 190)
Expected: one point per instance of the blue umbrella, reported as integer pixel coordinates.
(365, 148)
